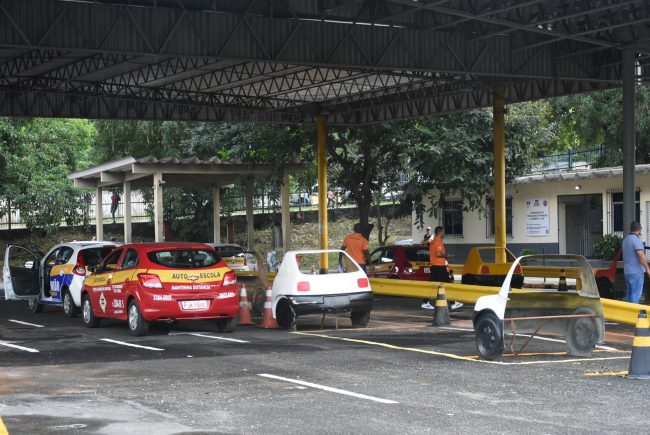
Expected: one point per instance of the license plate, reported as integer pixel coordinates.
(427, 270)
(194, 305)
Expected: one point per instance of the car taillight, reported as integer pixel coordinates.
(149, 280)
(363, 282)
(79, 269)
(485, 270)
(303, 286)
(229, 279)
(518, 269)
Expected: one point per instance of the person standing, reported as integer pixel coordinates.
(426, 239)
(356, 246)
(438, 264)
(635, 264)
(115, 201)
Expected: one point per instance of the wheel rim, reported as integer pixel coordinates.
(87, 311)
(133, 317)
(487, 337)
(66, 303)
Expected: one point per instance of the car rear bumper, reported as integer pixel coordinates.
(340, 303)
(173, 309)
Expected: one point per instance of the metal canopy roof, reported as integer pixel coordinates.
(359, 61)
(189, 172)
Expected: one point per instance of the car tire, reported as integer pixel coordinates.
(257, 301)
(360, 319)
(468, 279)
(227, 325)
(138, 325)
(604, 287)
(582, 334)
(88, 318)
(69, 307)
(34, 306)
(286, 316)
(489, 336)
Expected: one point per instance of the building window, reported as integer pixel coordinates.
(490, 219)
(452, 217)
(618, 226)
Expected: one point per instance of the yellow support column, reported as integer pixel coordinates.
(321, 136)
(499, 177)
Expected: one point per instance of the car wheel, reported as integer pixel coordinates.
(257, 302)
(34, 306)
(138, 325)
(88, 318)
(468, 279)
(360, 319)
(489, 336)
(227, 325)
(604, 287)
(286, 315)
(69, 308)
(581, 335)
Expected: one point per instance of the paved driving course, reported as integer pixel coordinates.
(399, 375)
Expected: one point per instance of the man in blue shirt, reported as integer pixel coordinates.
(635, 263)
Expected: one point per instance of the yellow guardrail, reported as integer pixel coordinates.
(615, 311)
(532, 271)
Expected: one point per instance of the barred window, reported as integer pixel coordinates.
(452, 217)
(618, 226)
(489, 230)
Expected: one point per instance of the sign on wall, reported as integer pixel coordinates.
(537, 217)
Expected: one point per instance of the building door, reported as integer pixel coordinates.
(583, 222)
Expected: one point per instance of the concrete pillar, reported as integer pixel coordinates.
(499, 177)
(216, 212)
(629, 140)
(99, 215)
(127, 212)
(158, 219)
(286, 211)
(321, 136)
(250, 229)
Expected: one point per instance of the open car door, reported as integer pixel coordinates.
(21, 273)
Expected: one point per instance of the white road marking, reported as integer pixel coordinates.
(15, 346)
(123, 343)
(215, 337)
(326, 388)
(27, 323)
(537, 337)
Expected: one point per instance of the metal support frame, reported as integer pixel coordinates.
(216, 212)
(323, 235)
(250, 217)
(629, 139)
(99, 215)
(286, 211)
(158, 218)
(128, 226)
(499, 177)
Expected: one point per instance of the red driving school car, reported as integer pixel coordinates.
(400, 262)
(150, 282)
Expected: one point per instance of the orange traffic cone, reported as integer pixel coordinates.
(268, 322)
(244, 317)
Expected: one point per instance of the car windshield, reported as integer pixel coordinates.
(94, 256)
(564, 273)
(418, 254)
(184, 258)
(488, 255)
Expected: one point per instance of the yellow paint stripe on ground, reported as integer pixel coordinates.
(454, 356)
(623, 373)
(3, 428)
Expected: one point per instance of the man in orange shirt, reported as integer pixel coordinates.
(438, 262)
(357, 247)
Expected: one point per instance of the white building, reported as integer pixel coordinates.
(550, 213)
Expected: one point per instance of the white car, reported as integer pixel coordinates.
(567, 304)
(236, 258)
(299, 288)
(54, 279)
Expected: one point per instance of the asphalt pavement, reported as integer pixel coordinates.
(399, 375)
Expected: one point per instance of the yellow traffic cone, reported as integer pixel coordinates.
(441, 313)
(640, 360)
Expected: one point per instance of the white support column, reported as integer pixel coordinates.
(158, 221)
(286, 211)
(217, 214)
(250, 229)
(127, 212)
(99, 215)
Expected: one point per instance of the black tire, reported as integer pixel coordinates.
(88, 318)
(138, 325)
(286, 316)
(582, 335)
(257, 302)
(517, 281)
(489, 336)
(468, 279)
(360, 319)
(69, 307)
(227, 325)
(34, 306)
(604, 287)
